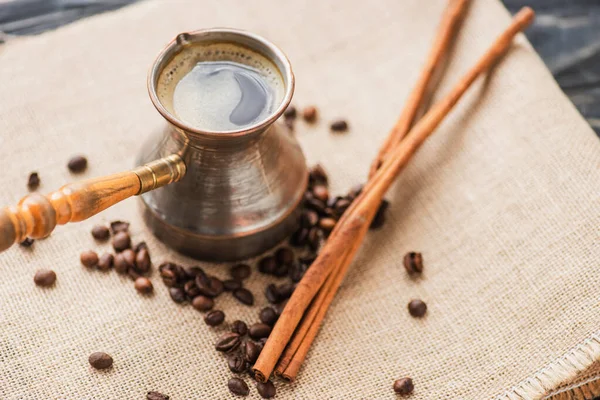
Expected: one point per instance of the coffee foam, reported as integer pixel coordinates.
(183, 62)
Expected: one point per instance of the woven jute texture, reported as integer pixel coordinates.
(502, 202)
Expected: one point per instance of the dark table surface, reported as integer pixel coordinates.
(565, 34)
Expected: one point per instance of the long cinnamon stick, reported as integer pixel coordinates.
(449, 24)
(334, 251)
(453, 14)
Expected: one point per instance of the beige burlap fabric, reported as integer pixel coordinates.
(502, 201)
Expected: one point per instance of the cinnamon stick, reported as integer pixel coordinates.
(339, 250)
(453, 14)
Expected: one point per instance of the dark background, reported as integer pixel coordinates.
(566, 34)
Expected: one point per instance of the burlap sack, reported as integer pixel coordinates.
(502, 201)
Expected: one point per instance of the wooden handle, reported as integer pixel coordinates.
(36, 215)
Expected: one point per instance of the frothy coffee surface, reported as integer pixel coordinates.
(220, 87)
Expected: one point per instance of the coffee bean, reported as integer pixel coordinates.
(413, 262)
(240, 272)
(280, 307)
(327, 224)
(231, 284)
(44, 277)
(203, 303)
(142, 261)
(285, 290)
(267, 265)
(284, 256)
(339, 126)
(33, 181)
(105, 262)
(89, 258)
(140, 246)
(316, 205)
(143, 285)
(211, 287)
(121, 264)
(271, 294)
(244, 296)
(28, 242)
(321, 192)
(404, 386)
(228, 341)
(251, 351)
(77, 164)
(309, 218)
(156, 396)
(133, 274)
(268, 316)
(314, 238)
(191, 289)
(121, 241)
(281, 270)
(214, 317)
(100, 232)
(297, 271)
(341, 206)
(177, 295)
(100, 360)
(417, 308)
(298, 238)
(266, 389)
(238, 387)
(309, 114)
(318, 175)
(119, 226)
(259, 331)
(239, 327)
(237, 363)
(379, 218)
(129, 257)
(194, 272)
(290, 112)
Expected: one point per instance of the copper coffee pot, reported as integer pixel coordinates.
(212, 195)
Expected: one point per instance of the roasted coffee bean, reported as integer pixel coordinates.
(240, 272)
(156, 396)
(239, 327)
(266, 389)
(271, 294)
(120, 264)
(318, 175)
(299, 238)
(259, 331)
(100, 232)
(33, 181)
(417, 308)
(284, 255)
(194, 272)
(119, 226)
(133, 274)
(251, 351)
(167, 273)
(413, 262)
(281, 270)
(290, 112)
(339, 126)
(44, 277)
(341, 206)
(89, 258)
(309, 114)
(143, 285)
(268, 316)
(231, 284)
(121, 241)
(105, 262)
(379, 218)
(330, 213)
(212, 287)
(285, 290)
(327, 224)
(129, 257)
(237, 364)
(279, 307)
(142, 261)
(297, 271)
(214, 317)
(140, 246)
(238, 387)
(244, 296)
(316, 205)
(177, 294)
(267, 265)
(28, 242)
(191, 289)
(262, 341)
(314, 238)
(100, 360)
(228, 341)
(203, 303)
(309, 218)
(77, 164)
(404, 386)
(321, 193)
